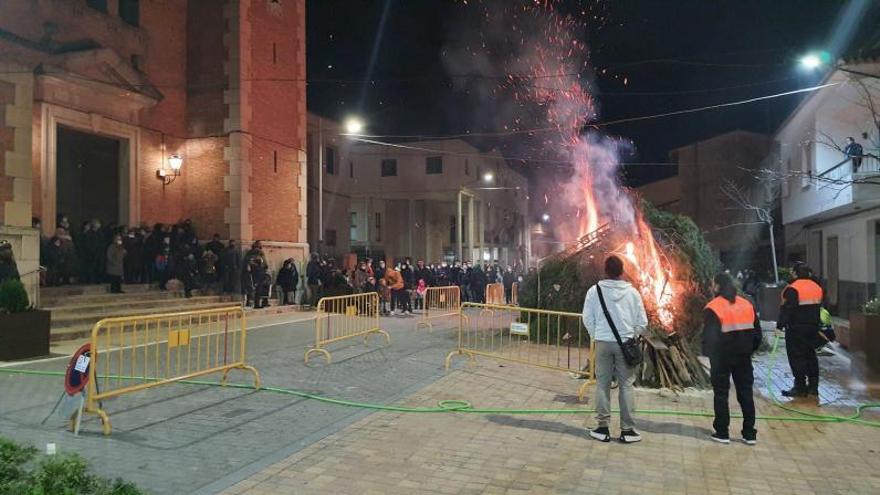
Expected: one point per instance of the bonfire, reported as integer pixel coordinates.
(593, 215)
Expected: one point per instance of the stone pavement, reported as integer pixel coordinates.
(183, 438)
(462, 453)
(195, 439)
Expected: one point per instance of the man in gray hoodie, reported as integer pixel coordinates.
(627, 310)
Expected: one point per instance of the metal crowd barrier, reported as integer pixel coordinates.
(345, 317)
(440, 302)
(134, 353)
(548, 339)
(494, 294)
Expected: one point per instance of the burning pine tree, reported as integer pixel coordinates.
(546, 107)
(671, 268)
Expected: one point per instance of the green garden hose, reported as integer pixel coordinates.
(445, 406)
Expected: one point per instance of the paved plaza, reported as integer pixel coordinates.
(196, 439)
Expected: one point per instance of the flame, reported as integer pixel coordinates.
(649, 269)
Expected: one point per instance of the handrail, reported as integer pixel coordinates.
(847, 159)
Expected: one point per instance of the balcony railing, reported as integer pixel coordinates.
(852, 168)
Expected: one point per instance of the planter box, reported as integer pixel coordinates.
(24, 335)
(865, 338)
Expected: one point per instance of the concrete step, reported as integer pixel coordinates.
(93, 289)
(129, 306)
(101, 299)
(80, 326)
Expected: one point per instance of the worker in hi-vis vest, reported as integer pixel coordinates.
(799, 317)
(731, 333)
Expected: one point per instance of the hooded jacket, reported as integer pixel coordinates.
(625, 305)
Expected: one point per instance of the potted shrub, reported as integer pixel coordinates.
(864, 330)
(24, 330)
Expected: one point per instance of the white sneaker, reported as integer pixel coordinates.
(630, 436)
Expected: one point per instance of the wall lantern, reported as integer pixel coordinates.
(167, 176)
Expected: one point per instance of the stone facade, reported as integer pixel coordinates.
(355, 207)
(189, 77)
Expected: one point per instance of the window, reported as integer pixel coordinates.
(351, 170)
(354, 226)
(330, 160)
(98, 5)
(129, 12)
(378, 227)
(389, 167)
(434, 165)
(330, 238)
(467, 167)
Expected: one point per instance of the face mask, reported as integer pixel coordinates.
(119, 242)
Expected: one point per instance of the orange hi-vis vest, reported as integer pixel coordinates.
(734, 317)
(808, 292)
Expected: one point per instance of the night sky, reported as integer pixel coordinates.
(647, 57)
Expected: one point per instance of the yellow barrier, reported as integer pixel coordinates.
(548, 339)
(494, 294)
(139, 352)
(345, 317)
(440, 302)
(514, 298)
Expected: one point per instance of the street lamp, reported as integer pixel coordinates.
(488, 177)
(354, 125)
(811, 61)
(545, 217)
(815, 60)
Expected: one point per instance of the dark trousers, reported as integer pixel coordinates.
(738, 366)
(115, 283)
(508, 293)
(800, 347)
(229, 278)
(400, 300)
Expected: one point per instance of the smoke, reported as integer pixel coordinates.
(528, 67)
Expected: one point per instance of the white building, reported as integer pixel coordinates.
(831, 212)
(403, 200)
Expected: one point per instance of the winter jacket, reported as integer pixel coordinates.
(426, 275)
(625, 306)
(393, 279)
(115, 260)
(287, 278)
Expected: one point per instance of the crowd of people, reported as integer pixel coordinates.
(403, 287)
(98, 253)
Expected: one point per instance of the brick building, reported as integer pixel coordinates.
(97, 96)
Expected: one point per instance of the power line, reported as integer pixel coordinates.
(598, 124)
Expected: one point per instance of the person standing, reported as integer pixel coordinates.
(424, 273)
(230, 264)
(508, 280)
(626, 314)
(799, 319)
(731, 333)
(8, 267)
(313, 280)
(394, 281)
(115, 264)
(215, 246)
(854, 151)
(287, 279)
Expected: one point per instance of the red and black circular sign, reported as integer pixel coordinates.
(75, 381)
